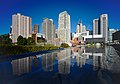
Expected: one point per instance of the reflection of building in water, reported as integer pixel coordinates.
(35, 61)
(98, 55)
(112, 60)
(97, 62)
(21, 66)
(79, 56)
(64, 61)
(82, 54)
(48, 61)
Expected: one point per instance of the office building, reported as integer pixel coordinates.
(116, 37)
(110, 33)
(80, 28)
(36, 28)
(64, 27)
(100, 27)
(48, 29)
(104, 26)
(96, 27)
(21, 25)
(83, 28)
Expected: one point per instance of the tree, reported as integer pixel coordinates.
(24, 42)
(41, 39)
(30, 41)
(20, 40)
(4, 39)
(8, 41)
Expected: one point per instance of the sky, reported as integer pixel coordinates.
(84, 10)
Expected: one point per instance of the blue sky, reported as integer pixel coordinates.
(85, 10)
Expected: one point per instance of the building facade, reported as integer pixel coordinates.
(110, 33)
(36, 28)
(104, 26)
(48, 29)
(116, 37)
(80, 28)
(100, 27)
(84, 28)
(64, 27)
(21, 25)
(96, 28)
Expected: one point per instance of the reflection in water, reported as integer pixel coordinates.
(64, 61)
(66, 58)
(35, 61)
(78, 54)
(21, 66)
(64, 65)
(98, 56)
(48, 61)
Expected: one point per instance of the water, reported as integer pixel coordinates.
(69, 66)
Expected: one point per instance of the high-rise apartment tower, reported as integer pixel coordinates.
(64, 27)
(48, 29)
(36, 28)
(21, 25)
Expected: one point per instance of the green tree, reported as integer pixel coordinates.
(20, 40)
(24, 42)
(30, 41)
(4, 39)
(8, 41)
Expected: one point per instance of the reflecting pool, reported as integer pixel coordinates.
(69, 66)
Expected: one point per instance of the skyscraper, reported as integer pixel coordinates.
(77, 29)
(96, 28)
(21, 25)
(100, 26)
(80, 28)
(36, 28)
(48, 29)
(64, 27)
(104, 26)
(83, 28)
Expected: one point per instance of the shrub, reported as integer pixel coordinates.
(64, 45)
